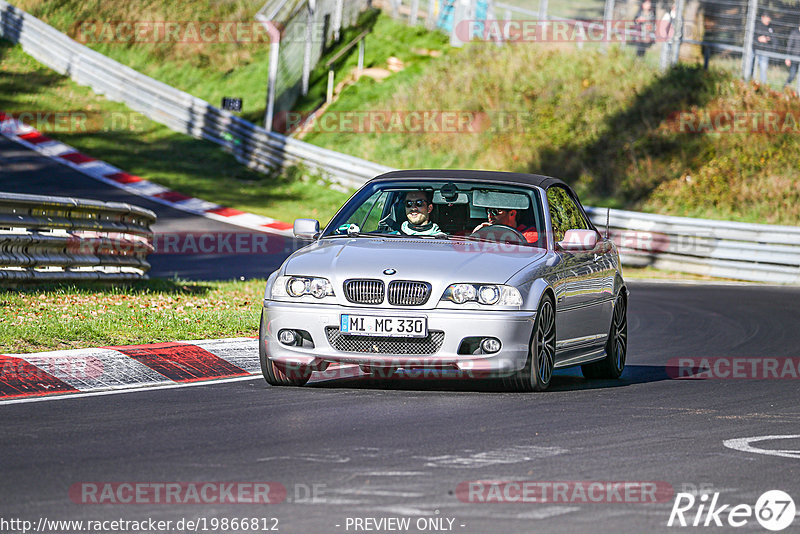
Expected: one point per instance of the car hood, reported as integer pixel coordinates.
(430, 260)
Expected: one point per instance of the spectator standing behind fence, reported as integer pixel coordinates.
(793, 49)
(764, 42)
(709, 36)
(665, 31)
(645, 21)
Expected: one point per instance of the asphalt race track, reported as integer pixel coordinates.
(25, 171)
(358, 448)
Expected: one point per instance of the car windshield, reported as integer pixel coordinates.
(441, 209)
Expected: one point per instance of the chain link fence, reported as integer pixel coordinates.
(301, 32)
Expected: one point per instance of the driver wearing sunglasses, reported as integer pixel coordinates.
(418, 205)
(507, 217)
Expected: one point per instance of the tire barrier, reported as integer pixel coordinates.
(56, 238)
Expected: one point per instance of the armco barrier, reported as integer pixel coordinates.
(57, 238)
(715, 248)
(179, 111)
(743, 251)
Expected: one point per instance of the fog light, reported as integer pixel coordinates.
(287, 337)
(490, 345)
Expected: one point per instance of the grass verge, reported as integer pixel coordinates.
(93, 314)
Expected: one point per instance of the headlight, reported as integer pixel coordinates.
(298, 286)
(488, 294)
(461, 293)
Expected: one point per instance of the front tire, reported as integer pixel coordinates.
(274, 374)
(538, 370)
(616, 346)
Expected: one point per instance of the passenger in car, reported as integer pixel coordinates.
(508, 217)
(419, 205)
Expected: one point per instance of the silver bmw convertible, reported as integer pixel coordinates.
(473, 273)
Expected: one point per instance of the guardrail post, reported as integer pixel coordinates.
(337, 19)
(329, 94)
(749, 32)
(459, 14)
(677, 38)
(430, 22)
(274, 57)
(412, 16)
(307, 50)
(361, 47)
(608, 15)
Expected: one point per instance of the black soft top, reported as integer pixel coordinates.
(482, 176)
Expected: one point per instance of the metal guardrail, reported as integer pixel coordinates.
(742, 251)
(58, 238)
(180, 111)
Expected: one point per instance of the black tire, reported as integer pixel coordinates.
(616, 346)
(275, 374)
(538, 370)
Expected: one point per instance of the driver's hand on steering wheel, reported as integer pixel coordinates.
(482, 225)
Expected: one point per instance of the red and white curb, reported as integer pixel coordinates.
(31, 138)
(25, 377)
(134, 366)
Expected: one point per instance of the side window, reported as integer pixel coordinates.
(564, 214)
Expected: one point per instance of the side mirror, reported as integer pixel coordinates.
(306, 228)
(579, 240)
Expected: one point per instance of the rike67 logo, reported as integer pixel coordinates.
(774, 510)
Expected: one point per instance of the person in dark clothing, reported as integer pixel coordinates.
(793, 49)
(645, 20)
(764, 42)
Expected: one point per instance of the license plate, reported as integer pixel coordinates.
(379, 325)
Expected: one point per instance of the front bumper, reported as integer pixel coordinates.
(512, 328)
